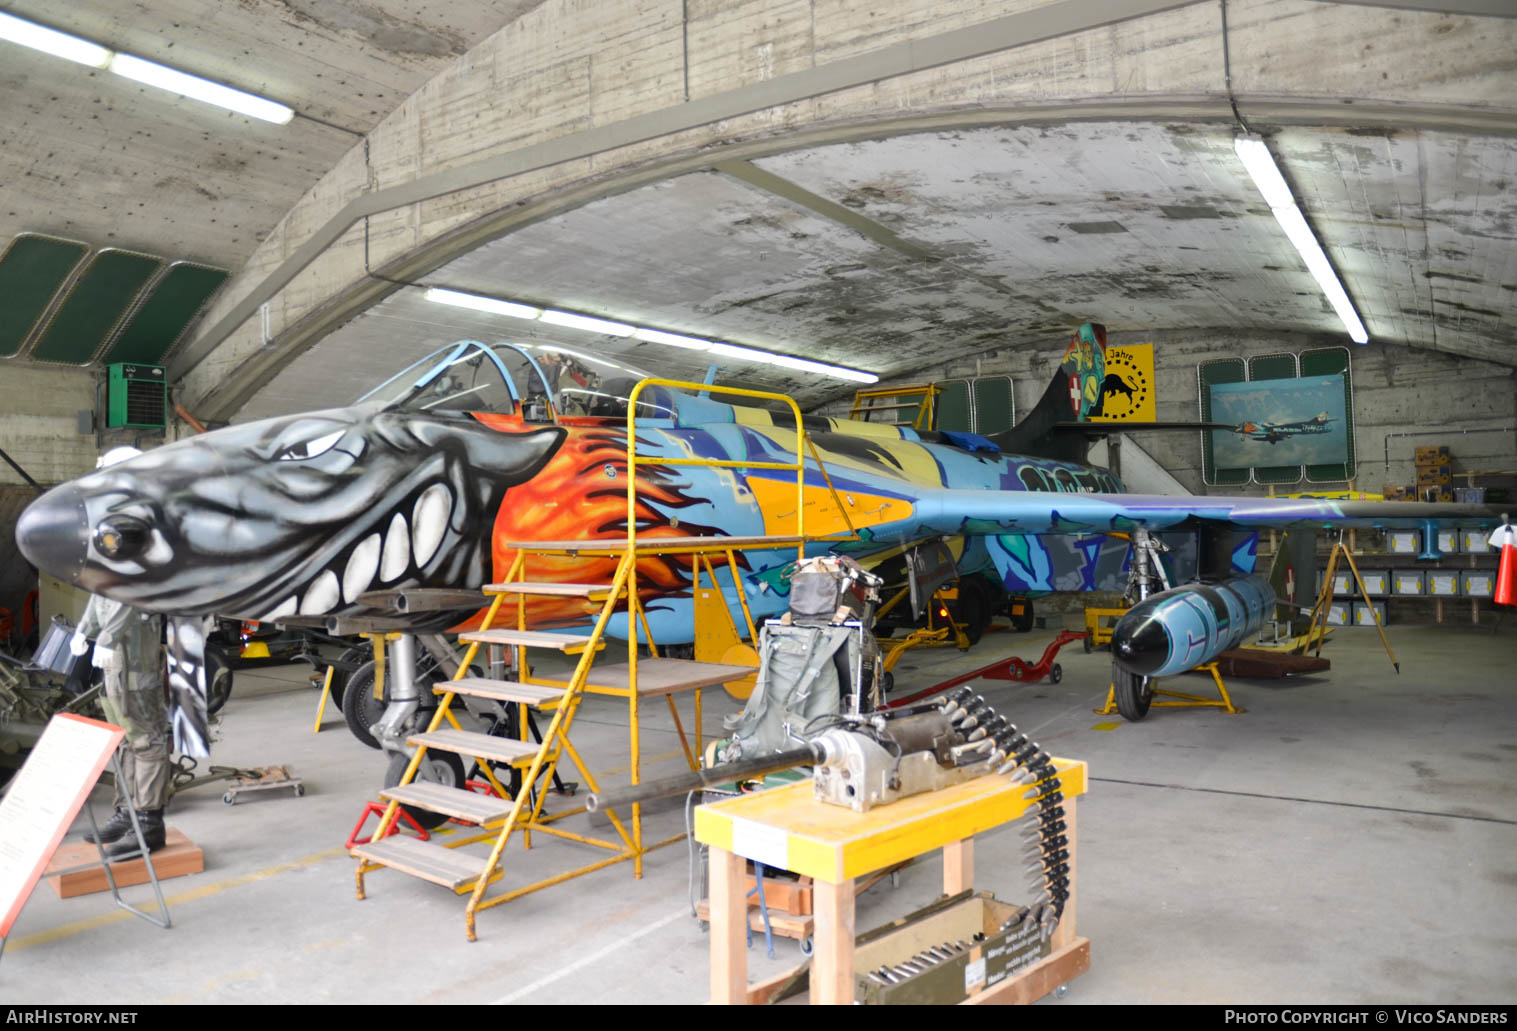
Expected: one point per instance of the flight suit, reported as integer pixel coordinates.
(129, 651)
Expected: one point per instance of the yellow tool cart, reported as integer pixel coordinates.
(788, 828)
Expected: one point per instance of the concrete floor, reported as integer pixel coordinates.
(1352, 838)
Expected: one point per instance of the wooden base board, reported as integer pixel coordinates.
(1263, 664)
(786, 925)
(180, 856)
(1042, 978)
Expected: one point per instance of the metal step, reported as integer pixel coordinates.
(445, 866)
(593, 591)
(466, 805)
(483, 746)
(526, 638)
(667, 676)
(501, 690)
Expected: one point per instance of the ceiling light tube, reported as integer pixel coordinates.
(788, 361)
(51, 41)
(459, 299)
(658, 336)
(1256, 158)
(203, 90)
(1255, 155)
(747, 354)
(585, 322)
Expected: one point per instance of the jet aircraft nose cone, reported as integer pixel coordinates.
(1140, 646)
(53, 533)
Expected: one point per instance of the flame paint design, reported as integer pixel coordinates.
(581, 494)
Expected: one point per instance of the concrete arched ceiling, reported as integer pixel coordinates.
(888, 188)
(91, 156)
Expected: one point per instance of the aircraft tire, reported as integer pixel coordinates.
(973, 608)
(359, 706)
(218, 685)
(437, 767)
(348, 662)
(1023, 624)
(1134, 693)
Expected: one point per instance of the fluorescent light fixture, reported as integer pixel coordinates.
(747, 354)
(1294, 223)
(605, 327)
(658, 336)
(1256, 158)
(196, 88)
(459, 299)
(750, 354)
(586, 323)
(835, 371)
(51, 41)
(1255, 155)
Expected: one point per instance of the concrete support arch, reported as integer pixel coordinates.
(581, 99)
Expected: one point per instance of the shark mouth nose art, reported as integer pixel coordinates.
(410, 539)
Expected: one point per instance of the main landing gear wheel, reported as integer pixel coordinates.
(974, 608)
(1134, 693)
(1021, 622)
(443, 768)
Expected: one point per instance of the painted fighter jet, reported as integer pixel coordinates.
(1275, 432)
(424, 480)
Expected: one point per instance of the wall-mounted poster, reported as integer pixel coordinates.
(1281, 422)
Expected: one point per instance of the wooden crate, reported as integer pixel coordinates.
(180, 856)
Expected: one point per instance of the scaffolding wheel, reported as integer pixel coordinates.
(807, 945)
(229, 798)
(1061, 991)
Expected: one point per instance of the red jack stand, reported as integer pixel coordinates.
(378, 808)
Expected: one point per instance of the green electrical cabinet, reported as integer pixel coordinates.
(137, 395)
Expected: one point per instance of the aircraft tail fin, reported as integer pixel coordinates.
(1058, 426)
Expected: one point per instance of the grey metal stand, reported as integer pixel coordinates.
(162, 919)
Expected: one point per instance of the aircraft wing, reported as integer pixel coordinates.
(979, 512)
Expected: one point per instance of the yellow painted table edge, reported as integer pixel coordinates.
(834, 844)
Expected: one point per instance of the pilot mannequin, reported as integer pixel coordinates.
(128, 649)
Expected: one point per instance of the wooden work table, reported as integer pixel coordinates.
(789, 829)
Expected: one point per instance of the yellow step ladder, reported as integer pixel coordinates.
(638, 678)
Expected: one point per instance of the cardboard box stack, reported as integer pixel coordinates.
(1435, 473)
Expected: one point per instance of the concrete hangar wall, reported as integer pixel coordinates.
(576, 101)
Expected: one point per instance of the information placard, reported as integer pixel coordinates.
(43, 801)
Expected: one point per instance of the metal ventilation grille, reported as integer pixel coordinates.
(144, 403)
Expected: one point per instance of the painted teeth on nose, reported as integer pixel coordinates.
(397, 550)
(429, 521)
(322, 596)
(287, 607)
(362, 563)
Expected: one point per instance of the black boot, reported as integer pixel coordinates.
(117, 827)
(153, 832)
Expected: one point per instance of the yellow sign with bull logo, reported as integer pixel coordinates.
(1127, 390)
